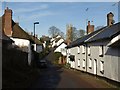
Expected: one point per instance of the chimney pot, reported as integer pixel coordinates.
(88, 22)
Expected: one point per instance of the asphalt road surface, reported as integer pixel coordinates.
(57, 77)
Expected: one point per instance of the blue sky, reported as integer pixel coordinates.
(59, 14)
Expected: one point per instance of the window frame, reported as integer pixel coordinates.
(90, 63)
(102, 67)
(83, 63)
(89, 51)
(101, 50)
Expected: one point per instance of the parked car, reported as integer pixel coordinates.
(42, 63)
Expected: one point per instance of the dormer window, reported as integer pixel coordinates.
(101, 50)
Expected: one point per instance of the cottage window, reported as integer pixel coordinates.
(90, 63)
(83, 63)
(78, 62)
(101, 50)
(102, 67)
(78, 49)
(83, 49)
(89, 50)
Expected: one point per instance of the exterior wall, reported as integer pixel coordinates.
(59, 49)
(22, 43)
(119, 66)
(80, 56)
(94, 55)
(53, 44)
(110, 58)
(59, 42)
(71, 51)
(112, 67)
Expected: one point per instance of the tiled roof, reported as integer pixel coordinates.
(107, 33)
(81, 40)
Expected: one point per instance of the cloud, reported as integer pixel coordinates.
(38, 15)
(31, 9)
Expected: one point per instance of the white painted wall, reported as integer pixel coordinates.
(22, 43)
(59, 42)
(60, 49)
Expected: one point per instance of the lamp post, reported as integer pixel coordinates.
(34, 27)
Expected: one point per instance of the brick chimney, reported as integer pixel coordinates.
(90, 28)
(110, 20)
(8, 22)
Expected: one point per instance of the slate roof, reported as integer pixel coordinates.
(107, 33)
(81, 40)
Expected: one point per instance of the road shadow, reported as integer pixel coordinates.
(49, 77)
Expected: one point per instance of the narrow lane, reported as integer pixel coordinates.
(57, 77)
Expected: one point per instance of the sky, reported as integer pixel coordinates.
(60, 14)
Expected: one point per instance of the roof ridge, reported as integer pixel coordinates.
(101, 30)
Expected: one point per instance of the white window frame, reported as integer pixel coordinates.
(90, 63)
(102, 67)
(78, 62)
(83, 63)
(83, 49)
(89, 51)
(78, 49)
(101, 50)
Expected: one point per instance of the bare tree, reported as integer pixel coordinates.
(98, 27)
(81, 32)
(53, 31)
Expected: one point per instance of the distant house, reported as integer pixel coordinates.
(46, 41)
(38, 46)
(98, 52)
(61, 48)
(21, 38)
(57, 41)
